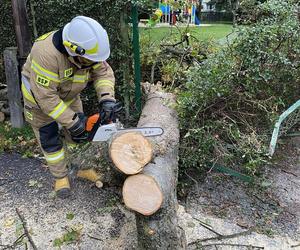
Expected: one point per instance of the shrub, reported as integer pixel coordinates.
(228, 106)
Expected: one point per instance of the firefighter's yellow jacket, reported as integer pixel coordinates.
(52, 80)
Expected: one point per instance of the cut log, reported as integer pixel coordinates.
(130, 152)
(149, 197)
(160, 230)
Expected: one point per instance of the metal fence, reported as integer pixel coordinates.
(215, 16)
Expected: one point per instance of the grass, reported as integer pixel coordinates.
(202, 33)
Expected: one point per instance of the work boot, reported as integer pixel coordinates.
(90, 175)
(62, 187)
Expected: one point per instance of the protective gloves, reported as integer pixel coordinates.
(108, 110)
(77, 131)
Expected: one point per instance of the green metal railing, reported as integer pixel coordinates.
(286, 121)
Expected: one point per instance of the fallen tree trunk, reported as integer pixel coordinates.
(153, 191)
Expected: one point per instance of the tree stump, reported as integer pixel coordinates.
(152, 193)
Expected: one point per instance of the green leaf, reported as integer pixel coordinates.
(57, 242)
(70, 216)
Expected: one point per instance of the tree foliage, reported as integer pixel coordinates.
(229, 104)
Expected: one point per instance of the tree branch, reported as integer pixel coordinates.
(222, 237)
(24, 224)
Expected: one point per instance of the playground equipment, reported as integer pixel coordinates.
(155, 18)
(173, 11)
(286, 121)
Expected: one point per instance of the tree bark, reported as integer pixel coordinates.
(22, 30)
(13, 87)
(161, 230)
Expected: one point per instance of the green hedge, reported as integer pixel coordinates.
(7, 33)
(50, 15)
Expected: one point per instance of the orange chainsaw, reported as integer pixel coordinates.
(99, 131)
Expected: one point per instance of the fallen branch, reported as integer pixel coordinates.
(94, 238)
(288, 172)
(13, 246)
(195, 181)
(24, 224)
(222, 237)
(207, 227)
(298, 245)
(233, 245)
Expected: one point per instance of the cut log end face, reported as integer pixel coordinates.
(130, 152)
(142, 194)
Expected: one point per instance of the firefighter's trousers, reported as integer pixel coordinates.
(52, 139)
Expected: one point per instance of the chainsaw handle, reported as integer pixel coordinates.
(92, 124)
(95, 121)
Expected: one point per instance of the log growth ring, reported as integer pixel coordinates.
(130, 152)
(142, 194)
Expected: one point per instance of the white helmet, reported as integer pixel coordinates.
(89, 35)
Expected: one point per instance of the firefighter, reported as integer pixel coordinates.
(58, 68)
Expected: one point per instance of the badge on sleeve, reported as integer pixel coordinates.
(42, 81)
(68, 72)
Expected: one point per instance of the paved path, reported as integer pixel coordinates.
(25, 184)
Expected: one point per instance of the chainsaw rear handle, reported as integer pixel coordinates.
(108, 111)
(94, 121)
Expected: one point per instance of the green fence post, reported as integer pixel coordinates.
(136, 52)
